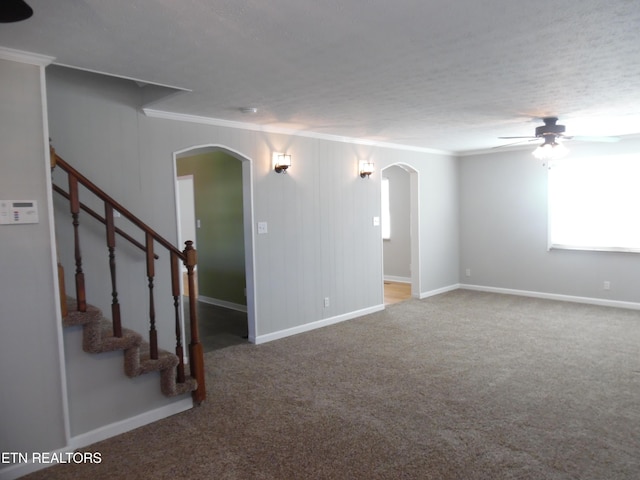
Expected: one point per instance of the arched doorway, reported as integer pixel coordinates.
(401, 263)
(225, 248)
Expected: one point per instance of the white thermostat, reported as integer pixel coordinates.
(15, 212)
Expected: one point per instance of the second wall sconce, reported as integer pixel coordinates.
(281, 162)
(366, 168)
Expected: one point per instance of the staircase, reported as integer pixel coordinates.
(100, 334)
(97, 337)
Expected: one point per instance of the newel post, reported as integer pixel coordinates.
(196, 354)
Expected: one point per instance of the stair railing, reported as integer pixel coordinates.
(188, 257)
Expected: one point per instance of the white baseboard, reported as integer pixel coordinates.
(123, 426)
(269, 337)
(438, 291)
(554, 296)
(393, 278)
(20, 469)
(222, 303)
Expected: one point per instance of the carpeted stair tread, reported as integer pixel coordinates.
(144, 363)
(189, 385)
(97, 337)
(138, 361)
(74, 317)
(100, 338)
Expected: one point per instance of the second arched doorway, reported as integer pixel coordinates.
(401, 263)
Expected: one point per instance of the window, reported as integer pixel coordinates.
(594, 203)
(385, 220)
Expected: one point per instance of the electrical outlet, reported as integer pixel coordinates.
(326, 301)
(468, 272)
(607, 285)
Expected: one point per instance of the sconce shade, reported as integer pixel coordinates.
(282, 162)
(366, 169)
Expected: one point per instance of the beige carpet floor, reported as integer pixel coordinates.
(464, 385)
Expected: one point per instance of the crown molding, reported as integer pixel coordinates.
(494, 150)
(25, 57)
(218, 122)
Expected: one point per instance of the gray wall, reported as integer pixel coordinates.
(321, 240)
(31, 397)
(397, 249)
(503, 217)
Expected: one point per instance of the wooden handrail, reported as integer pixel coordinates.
(188, 258)
(97, 216)
(89, 185)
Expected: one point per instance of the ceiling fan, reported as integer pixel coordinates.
(552, 135)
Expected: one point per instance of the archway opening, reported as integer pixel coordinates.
(401, 266)
(220, 217)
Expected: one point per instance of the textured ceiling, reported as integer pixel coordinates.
(444, 74)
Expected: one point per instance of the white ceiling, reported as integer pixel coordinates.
(444, 74)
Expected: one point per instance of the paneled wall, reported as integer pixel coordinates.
(321, 241)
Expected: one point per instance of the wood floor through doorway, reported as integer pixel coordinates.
(395, 292)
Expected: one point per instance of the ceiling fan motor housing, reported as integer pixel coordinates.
(550, 128)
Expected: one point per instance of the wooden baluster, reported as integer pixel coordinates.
(62, 292)
(153, 334)
(175, 290)
(74, 201)
(196, 354)
(111, 245)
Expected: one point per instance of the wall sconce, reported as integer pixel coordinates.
(281, 162)
(366, 168)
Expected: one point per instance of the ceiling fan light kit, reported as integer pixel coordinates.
(550, 151)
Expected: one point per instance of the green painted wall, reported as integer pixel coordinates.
(217, 180)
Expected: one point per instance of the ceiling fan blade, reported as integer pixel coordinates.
(530, 137)
(514, 143)
(594, 139)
